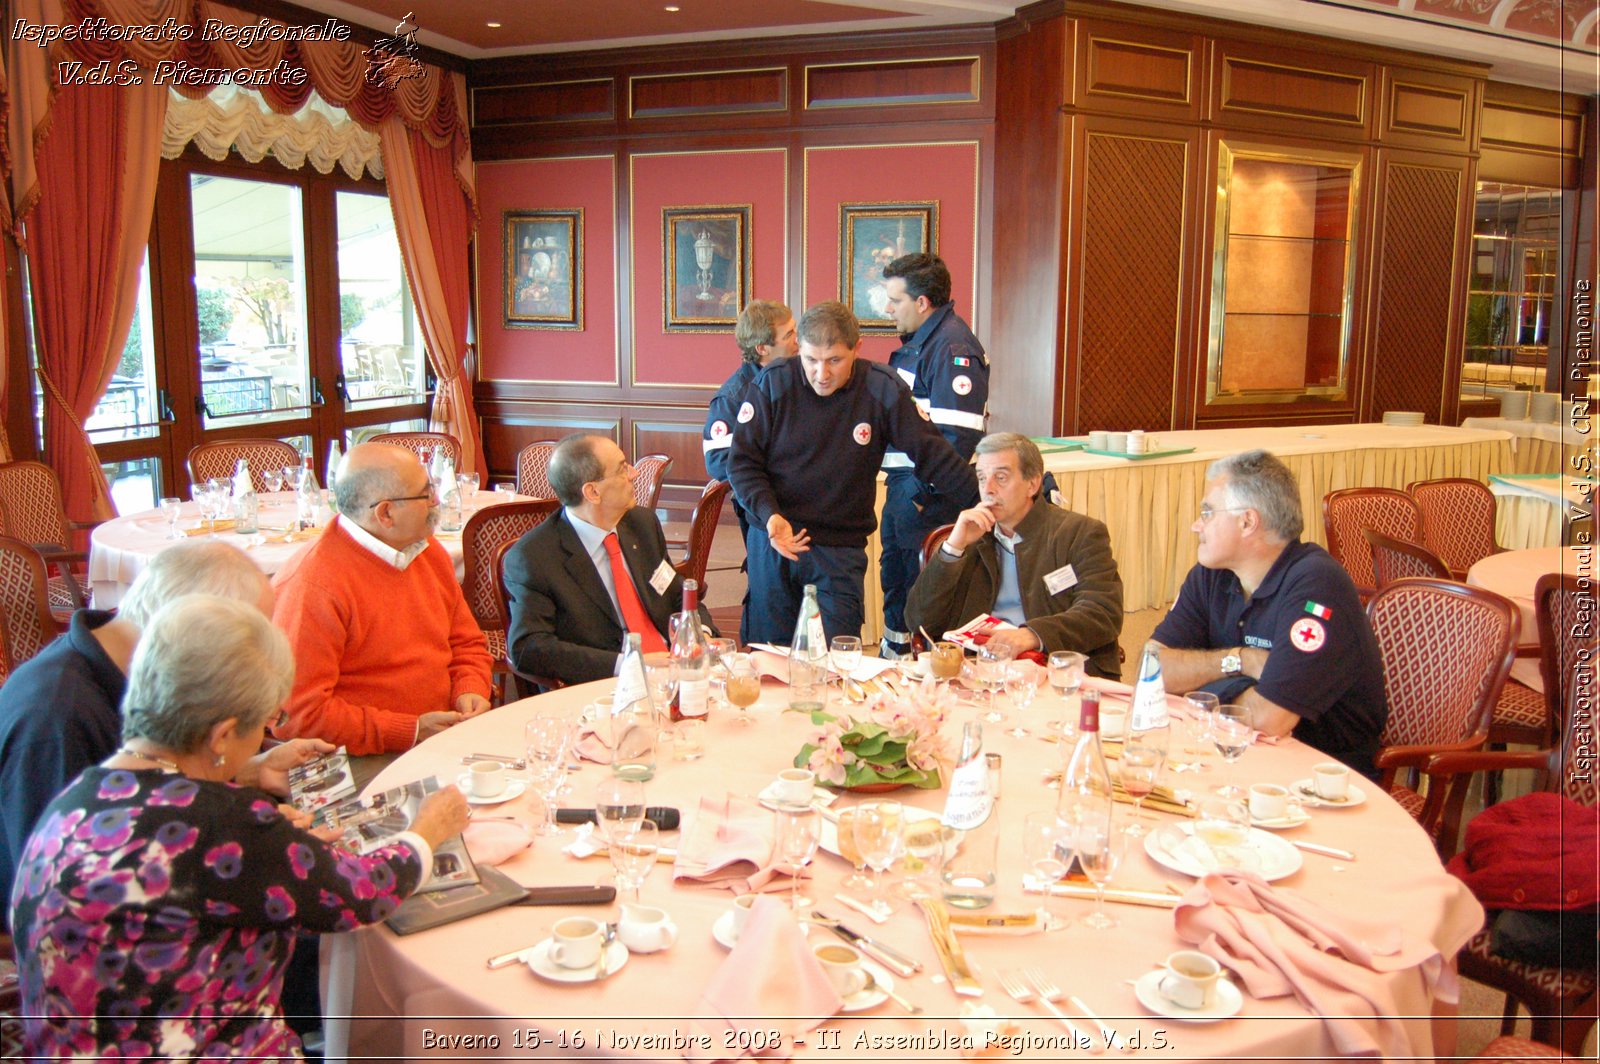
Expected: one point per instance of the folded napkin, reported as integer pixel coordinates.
(496, 841)
(225, 524)
(593, 745)
(769, 981)
(1338, 966)
(729, 843)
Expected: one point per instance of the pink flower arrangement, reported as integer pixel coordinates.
(895, 739)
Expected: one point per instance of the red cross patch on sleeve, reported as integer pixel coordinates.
(1308, 635)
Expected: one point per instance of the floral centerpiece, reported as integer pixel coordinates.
(893, 739)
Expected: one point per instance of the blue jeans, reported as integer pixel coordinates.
(777, 587)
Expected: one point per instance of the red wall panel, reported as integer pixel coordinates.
(701, 179)
(589, 355)
(944, 172)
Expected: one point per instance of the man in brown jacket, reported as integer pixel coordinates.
(1045, 569)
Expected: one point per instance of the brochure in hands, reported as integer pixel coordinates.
(371, 822)
(321, 781)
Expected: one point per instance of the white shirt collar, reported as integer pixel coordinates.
(1010, 542)
(591, 536)
(400, 559)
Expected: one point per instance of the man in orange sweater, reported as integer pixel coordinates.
(386, 651)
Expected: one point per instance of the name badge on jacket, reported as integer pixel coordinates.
(661, 579)
(1060, 580)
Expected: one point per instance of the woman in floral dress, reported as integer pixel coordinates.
(157, 903)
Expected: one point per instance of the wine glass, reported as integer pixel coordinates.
(1224, 826)
(879, 838)
(634, 845)
(857, 881)
(467, 485)
(1203, 709)
(1099, 845)
(1047, 847)
(924, 846)
(291, 477)
(844, 654)
(1230, 732)
(1138, 770)
(171, 508)
(617, 802)
(744, 685)
(661, 676)
(272, 479)
(990, 671)
(944, 661)
(1066, 674)
(722, 648)
(798, 832)
(1022, 683)
(545, 742)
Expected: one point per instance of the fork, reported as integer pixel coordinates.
(1022, 993)
(1049, 994)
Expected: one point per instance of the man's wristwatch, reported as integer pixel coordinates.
(1232, 663)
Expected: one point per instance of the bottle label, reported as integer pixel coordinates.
(969, 803)
(815, 633)
(631, 686)
(1149, 697)
(692, 697)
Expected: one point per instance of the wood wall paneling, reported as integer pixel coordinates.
(711, 92)
(678, 437)
(1136, 70)
(1428, 111)
(1282, 91)
(1530, 136)
(509, 427)
(894, 82)
(579, 100)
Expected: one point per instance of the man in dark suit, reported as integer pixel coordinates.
(593, 572)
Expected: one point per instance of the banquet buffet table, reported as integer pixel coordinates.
(1538, 446)
(1149, 505)
(1534, 509)
(399, 998)
(120, 548)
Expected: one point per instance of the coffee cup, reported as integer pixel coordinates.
(794, 786)
(1117, 442)
(486, 779)
(1331, 781)
(1191, 978)
(1113, 721)
(1099, 440)
(646, 929)
(1268, 801)
(741, 912)
(842, 965)
(575, 942)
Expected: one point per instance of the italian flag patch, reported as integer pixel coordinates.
(1317, 609)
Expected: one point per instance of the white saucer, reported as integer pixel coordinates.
(539, 960)
(1170, 846)
(769, 799)
(862, 1000)
(722, 931)
(1282, 823)
(1226, 1002)
(1308, 794)
(514, 789)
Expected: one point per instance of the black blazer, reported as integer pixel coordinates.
(563, 624)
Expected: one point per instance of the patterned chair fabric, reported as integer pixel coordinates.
(1509, 1049)
(1457, 520)
(31, 510)
(702, 530)
(1393, 559)
(652, 470)
(533, 469)
(1561, 1001)
(1565, 610)
(1349, 510)
(422, 442)
(1520, 716)
(218, 459)
(519, 684)
(26, 623)
(485, 533)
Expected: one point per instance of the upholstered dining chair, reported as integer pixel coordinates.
(1349, 510)
(1438, 701)
(1457, 520)
(26, 623)
(423, 443)
(933, 541)
(533, 469)
(218, 458)
(1562, 1001)
(702, 530)
(31, 510)
(485, 533)
(519, 684)
(1393, 559)
(651, 470)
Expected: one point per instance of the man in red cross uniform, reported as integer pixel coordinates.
(1273, 623)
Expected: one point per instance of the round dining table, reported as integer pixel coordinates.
(1514, 574)
(119, 549)
(401, 998)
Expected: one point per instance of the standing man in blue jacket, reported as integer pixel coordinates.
(808, 440)
(764, 333)
(948, 374)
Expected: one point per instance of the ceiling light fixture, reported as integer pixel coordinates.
(492, 25)
(672, 7)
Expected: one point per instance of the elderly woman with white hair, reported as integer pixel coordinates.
(157, 902)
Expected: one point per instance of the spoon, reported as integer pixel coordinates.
(872, 984)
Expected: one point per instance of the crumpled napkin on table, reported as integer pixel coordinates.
(729, 843)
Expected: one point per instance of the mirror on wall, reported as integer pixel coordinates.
(1516, 244)
(1281, 276)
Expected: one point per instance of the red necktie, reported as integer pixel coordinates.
(633, 611)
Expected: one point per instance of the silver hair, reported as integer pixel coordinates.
(182, 683)
(206, 567)
(573, 464)
(1261, 482)
(1030, 463)
(356, 490)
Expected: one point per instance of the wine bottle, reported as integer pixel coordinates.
(1085, 782)
(969, 874)
(692, 653)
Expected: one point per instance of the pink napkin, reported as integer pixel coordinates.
(1278, 942)
(496, 841)
(729, 843)
(593, 746)
(770, 981)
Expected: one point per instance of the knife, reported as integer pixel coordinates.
(896, 961)
(1326, 851)
(515, 955)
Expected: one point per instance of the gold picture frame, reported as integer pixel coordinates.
(706, 267)
(872, 235)
(543, 263)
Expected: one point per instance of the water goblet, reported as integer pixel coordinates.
(634, 845)
(545, 738)
(617, 802)
(1230, 732)
(272, 479)
(744, 685)
(466, 488)
(857, 881)
(1022, 683)
(1047, 847)
(944, 661)
(1202, 707)
(990, 671)
(1066, 674)
(661, 677)
(171, 508)
(880, 838)
(798, 833)
(1139, 770)
(1224, 826)
(722, 648)
(1100, 844)
(844, 654)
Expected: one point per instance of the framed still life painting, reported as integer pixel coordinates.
(706, 267)
(872, 235)
(544, 269)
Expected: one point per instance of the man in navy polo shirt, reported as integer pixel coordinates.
(1272, 623)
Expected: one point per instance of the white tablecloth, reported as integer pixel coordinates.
(1532, 508)
(1539, 446)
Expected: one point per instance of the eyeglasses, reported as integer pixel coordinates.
(1208, 512)
(429, 496)
(279, 719)
(620, 471)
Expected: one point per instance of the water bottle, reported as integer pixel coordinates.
(307, 498)
(633, 718)
(970, 873)
(246, 509)
(332, 469)
(808, 656)
(444, 480)
(692, 652)
(1148, 722)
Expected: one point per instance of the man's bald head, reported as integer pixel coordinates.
(369, 472)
